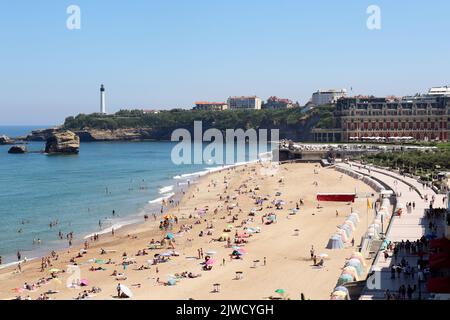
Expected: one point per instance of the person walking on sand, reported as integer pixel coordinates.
(312, 252)
(353, 242)
(119, 292)
(264, 261)
(337, 213)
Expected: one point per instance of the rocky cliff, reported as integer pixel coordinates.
(4, 140)
(62, 142)
(19, 149)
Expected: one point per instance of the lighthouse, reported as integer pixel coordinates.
(102, 100)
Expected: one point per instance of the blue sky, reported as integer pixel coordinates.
(170, 53)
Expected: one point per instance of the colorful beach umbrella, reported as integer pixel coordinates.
(84, 282)
(280, 291)
(210, 262)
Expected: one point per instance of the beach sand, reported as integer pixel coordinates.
(288, 264)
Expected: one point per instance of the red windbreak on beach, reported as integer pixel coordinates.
(439, 285)
(440, 260)
(336, 197)
(442, 243)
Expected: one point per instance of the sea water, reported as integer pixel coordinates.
(81, 191)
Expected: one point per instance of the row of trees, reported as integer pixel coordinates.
(417, 162)
(179, 118)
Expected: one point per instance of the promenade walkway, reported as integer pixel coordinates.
(411, 225)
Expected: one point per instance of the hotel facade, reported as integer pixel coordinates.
(422, 117)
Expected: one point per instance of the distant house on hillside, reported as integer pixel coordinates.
(279, 103)
(212, 106)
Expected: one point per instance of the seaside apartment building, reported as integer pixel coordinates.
(322, 97)
(421, 117)
(213, 106)
(251, 102)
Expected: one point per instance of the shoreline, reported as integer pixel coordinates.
(130, 220)
(134, 236)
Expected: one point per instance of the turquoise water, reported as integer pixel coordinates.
(80, 190)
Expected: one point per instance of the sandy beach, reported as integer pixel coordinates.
(286, 252)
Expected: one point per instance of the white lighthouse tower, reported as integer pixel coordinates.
(102, 100)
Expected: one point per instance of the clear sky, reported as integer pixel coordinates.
(170, 53)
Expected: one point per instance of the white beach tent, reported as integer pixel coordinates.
(335, 242)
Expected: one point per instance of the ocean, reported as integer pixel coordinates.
(78, 191)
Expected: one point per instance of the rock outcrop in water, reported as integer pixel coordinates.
(20, 149)
(62, 142)
(41, 134)
(4, 140)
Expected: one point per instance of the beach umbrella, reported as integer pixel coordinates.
(172, 281)
(323, 255)
(169, 236)
(225, 235)
(280, 291)
(344, 278)
(84, 282)
(54, 270)
(236, 247)
(242, 250)
(211, 252)
(210, 262)
(126, 291)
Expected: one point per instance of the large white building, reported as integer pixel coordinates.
(252, 102)
(437, 91)
(322, 97)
